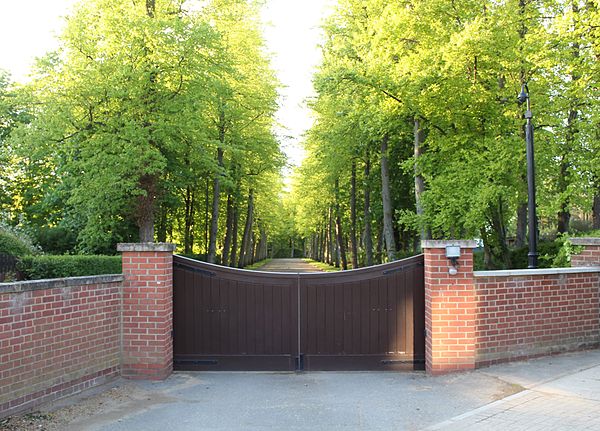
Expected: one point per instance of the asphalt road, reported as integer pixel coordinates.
(558, 392)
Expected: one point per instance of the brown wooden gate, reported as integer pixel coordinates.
(364, 319)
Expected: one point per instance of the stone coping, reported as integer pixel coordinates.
(542, 271)
(434, 243)
(146, 246)
(54, 283)
(585, 241)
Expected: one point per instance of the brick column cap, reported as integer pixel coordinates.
(585, 241)
(463, 243)
(146, 246)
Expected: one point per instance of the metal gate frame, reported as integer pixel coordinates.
(365, 319)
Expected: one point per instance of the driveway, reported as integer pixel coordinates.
(288, 265)
(559, 392)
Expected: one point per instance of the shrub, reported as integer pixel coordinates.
(42, 267)
(547, 250)
(56, 240)
(14, 244)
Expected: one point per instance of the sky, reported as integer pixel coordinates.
(28, 27)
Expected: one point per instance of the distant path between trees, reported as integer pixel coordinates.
(288, 265)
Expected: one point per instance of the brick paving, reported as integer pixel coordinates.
(568, 403)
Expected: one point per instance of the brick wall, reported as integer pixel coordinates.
(449, 308)
(478, 318)
(57, 337)
(521, 316)
(590, 255)
(147, 310)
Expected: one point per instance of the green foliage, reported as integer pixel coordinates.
(14, 242)
(548, 253)
(44, 266)
(125, 122)
(56, 240)
(454, 69)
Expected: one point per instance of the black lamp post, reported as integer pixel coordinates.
(531, 207)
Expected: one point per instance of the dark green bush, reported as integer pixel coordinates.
(42, 267)
(12, 245)
(56, 240)
(547, 250)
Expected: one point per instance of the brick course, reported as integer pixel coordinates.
(58, 337)
(477, 319)
(449, 309)
(57, 340)
(590, 255)
(147, 310)
(526, 316)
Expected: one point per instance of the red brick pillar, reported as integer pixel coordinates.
(590, 256)
(450, 308)
(147, 315)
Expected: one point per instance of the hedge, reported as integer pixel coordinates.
(12, 245)
(42, 267)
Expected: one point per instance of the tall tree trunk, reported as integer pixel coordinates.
(323, 252)
(150, 8)
(380, 241)
(234, 233)
(330, 238)
(521, 238)
(596, 210)
(353, 241)
(228, 230)
(246, 248)
(188, 232)
(206, 215)
(419, 180)
(368, 234)
(145, 208)
(148, 183)
(596, 203)
(521, 234)
(161, 231)
(388, 210)
(564, 214)
(338, 227)
(263, 248)
(259, 252)
(214, 223)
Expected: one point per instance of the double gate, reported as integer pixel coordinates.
(364, 319)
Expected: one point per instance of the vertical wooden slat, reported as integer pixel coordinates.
(373, 302)
(348, 319)
(338, 321)
(277, 319)
(329, 341)
(189, 309)
(268, 329)
(382, 287)
(357, 320)
(409, 313)
(392, 313)
(419, 312)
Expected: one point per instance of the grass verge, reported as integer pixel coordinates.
(257, 265)
(322, 266)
